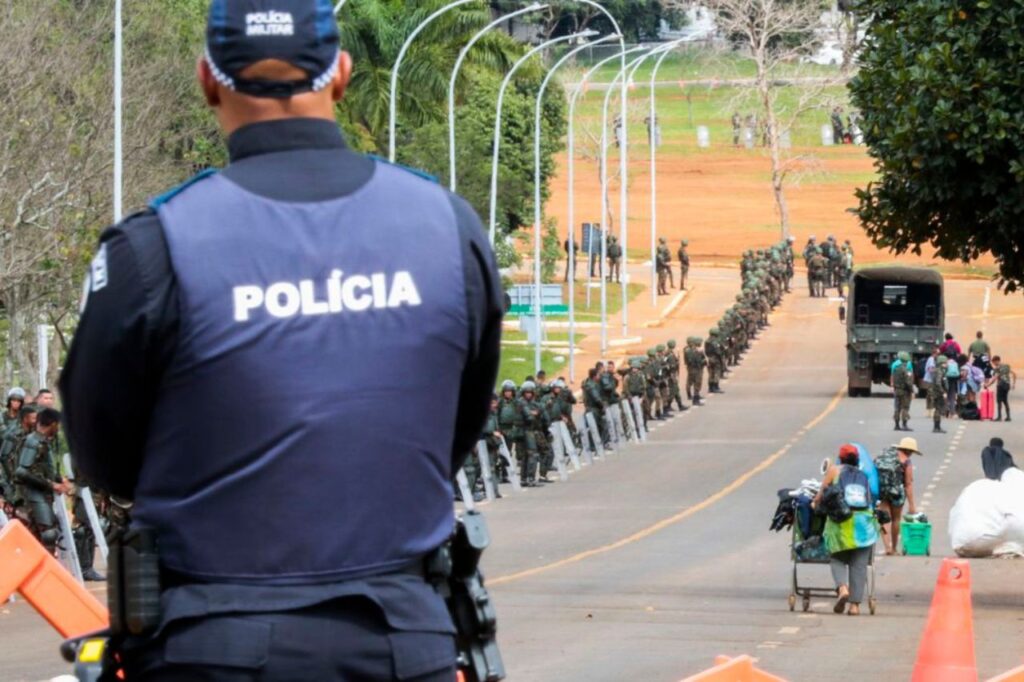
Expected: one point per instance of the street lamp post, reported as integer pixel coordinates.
(623, 159)
(463, 53)
(118, 112)
(496, 146)
(665, 52)
(625, 74)
(537, 206)
(573, 99)
(393, 105)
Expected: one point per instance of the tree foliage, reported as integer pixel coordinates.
(639, 19)
(428, 147)
(941, 87)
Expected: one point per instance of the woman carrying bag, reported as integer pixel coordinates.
(851, 529)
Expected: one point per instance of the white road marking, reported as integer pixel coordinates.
(927, 494)
(789, 631)
(769, 645)
(931, 486)
(807, 615)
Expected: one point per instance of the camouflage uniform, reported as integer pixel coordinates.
(684, 263)
(903, 390)
(695, 361)
(36, 473)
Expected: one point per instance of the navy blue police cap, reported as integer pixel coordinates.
(303, 33)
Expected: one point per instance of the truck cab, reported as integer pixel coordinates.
(891, 309)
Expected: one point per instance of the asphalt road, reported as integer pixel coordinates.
(649, 564)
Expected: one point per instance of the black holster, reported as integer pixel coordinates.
(454, 571)
(133, 585)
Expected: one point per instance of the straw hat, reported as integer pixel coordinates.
(909, 444)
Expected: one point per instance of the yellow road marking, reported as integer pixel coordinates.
(676, 518)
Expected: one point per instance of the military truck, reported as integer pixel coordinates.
(891, 309)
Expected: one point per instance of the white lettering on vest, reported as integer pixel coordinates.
(348, 293)
(247, 299)
(311, 306)
(283, 299)
(404, 291)
(357, 293)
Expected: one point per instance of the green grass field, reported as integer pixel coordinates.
(517, 362)
(682, 109)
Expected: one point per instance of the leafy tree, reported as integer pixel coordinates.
(373, 31)
(940, 87)
(428, 145)
(639, 19)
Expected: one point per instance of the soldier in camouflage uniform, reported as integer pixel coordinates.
(695, 361)
(12, 412)
(684, 263)
(663, 263)
(937, 392)
(716, 360)
(491, 436)
(636, 386)
(534, 427)
(38, 478)
(614, 260)
(673, 365)
(510, 422)
(10, 447)
(902, 383)
(653, 373)
(593, 402)
(666, 378)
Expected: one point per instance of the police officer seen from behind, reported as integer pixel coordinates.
(243, 347)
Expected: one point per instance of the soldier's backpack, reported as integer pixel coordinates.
(903, 379)
(890, 476)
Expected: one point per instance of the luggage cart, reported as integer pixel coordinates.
(819, 555)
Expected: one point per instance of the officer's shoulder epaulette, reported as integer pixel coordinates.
(159, 201)
(415, 171)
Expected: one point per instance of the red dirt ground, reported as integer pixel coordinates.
(721, 201)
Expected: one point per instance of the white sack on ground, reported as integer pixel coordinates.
(977, 525)
(1012, 501)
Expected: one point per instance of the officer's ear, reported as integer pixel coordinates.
(208, 83)
(342, 76)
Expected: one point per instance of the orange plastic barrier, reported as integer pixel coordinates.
(739, 669)
(1015, 675)
(26, 567)
(946, 653)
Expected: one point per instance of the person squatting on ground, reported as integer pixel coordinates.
(850, 536)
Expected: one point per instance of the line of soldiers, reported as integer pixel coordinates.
(829, 266)
(663, 264)
(523, 415)
(32, 474)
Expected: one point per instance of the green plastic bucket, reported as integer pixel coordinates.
(916, 538)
